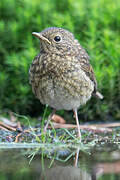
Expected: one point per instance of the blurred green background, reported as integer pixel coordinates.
(95, 23)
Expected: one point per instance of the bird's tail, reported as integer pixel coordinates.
(99, 95)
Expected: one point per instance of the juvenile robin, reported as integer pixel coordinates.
(61, 75)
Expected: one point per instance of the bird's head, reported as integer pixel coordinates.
(57, 40)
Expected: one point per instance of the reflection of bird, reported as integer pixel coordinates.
(66, 173)
(61, 75)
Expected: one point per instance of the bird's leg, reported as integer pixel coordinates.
(77, 122)
(49, 119)
(76, 157)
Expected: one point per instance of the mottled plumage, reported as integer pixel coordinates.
(61, 75)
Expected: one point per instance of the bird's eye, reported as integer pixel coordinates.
(57, 38)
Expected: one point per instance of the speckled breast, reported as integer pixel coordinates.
(60, 83)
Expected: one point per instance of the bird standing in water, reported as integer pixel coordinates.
(61, 75)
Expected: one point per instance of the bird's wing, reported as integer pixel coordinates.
(87, 68)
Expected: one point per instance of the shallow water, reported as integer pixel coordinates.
(24, 162)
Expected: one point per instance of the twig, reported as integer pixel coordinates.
(7, 126)
(17, 137)
(1, 127)
(85, 127)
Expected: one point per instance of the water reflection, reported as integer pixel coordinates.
(16, 164)
(67, 173)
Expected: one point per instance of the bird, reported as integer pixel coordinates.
(61, 75)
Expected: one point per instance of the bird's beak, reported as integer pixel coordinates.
(39, 35)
